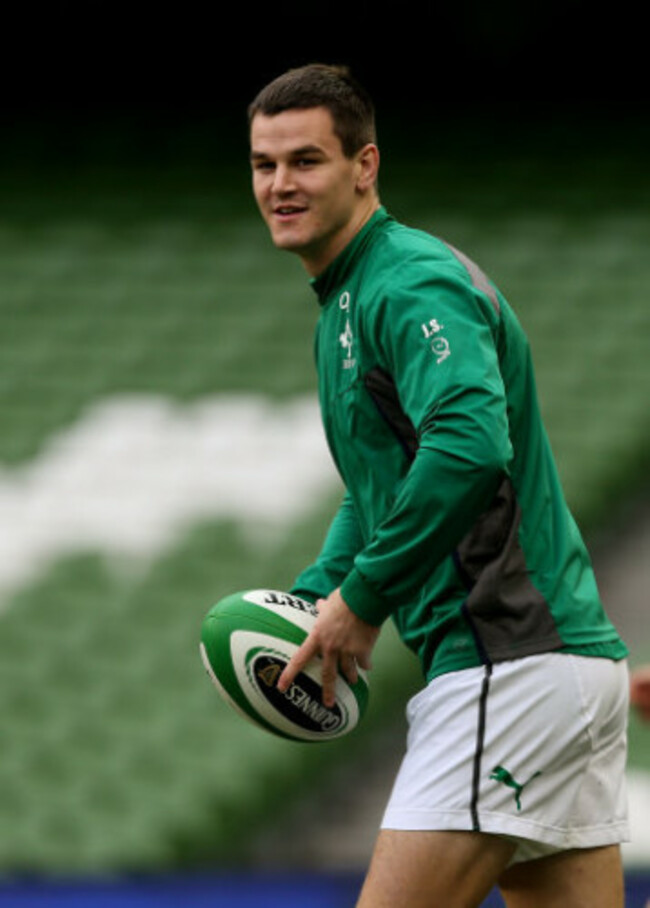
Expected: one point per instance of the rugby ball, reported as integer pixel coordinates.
(247, 638)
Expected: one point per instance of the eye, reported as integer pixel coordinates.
(264, 166)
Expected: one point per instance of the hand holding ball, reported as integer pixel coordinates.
(247, 640)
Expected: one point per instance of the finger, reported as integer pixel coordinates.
(329, 672)
(295, 665)
(364, 661)
(349, 668)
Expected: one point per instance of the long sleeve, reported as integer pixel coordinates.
(342, 543)
(437, 338)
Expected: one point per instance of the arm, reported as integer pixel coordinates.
(438, 338)
(339, 635)
(342, 543)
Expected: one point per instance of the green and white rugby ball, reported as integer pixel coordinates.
(247, 638)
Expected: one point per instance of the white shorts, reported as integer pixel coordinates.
(533, 749)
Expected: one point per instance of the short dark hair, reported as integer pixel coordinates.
(322, 85)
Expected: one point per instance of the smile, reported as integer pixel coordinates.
(288, 211)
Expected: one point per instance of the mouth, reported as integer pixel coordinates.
(288, 212)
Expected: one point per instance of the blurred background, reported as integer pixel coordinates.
(160, 443)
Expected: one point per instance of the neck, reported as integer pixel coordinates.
(317, 263)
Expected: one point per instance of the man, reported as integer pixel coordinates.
(454, 525)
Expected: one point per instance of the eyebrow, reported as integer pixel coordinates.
(296, 152)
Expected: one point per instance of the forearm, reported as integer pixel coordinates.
(437, 504)
(336, 558)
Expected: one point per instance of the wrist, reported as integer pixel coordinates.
(363, 600)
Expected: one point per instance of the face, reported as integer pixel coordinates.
(312, 197)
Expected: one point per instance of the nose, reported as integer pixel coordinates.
(283, 181)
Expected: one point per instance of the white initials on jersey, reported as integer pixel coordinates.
(439, 344)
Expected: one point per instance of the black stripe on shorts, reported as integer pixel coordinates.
(478, 753)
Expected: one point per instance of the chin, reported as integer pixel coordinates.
(288, 243)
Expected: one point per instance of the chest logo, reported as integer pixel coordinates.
(346, 340)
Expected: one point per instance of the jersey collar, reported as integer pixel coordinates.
(337, 271)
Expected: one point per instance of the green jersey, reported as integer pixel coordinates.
(454, 522)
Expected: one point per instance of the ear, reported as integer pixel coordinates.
(367, 167)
